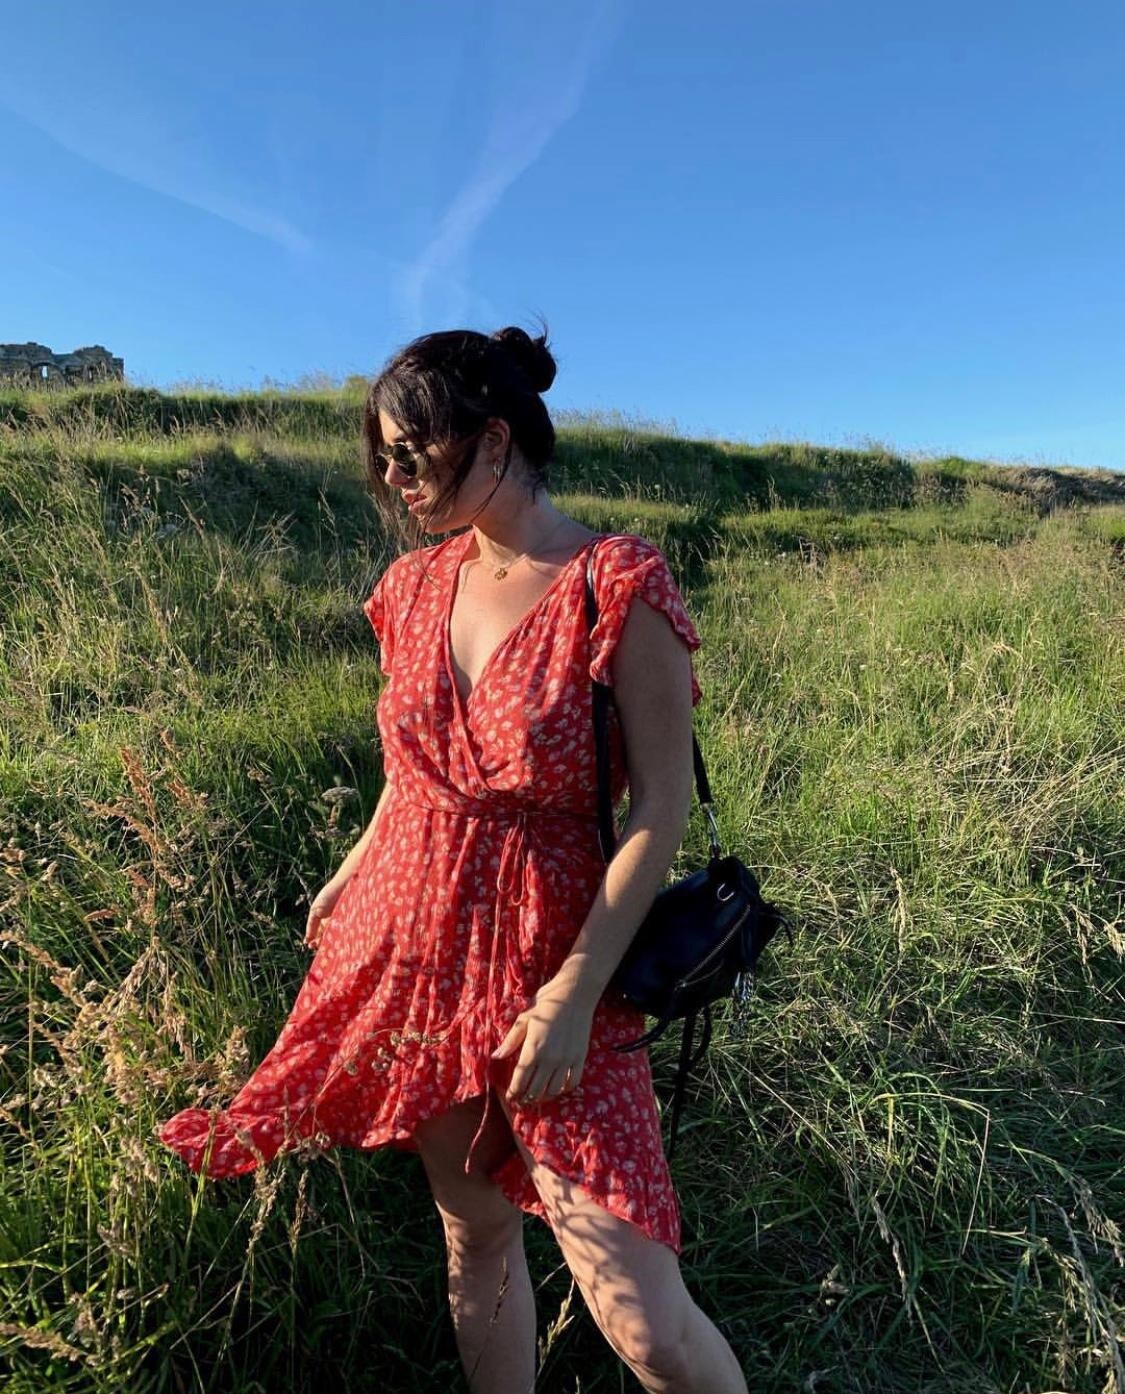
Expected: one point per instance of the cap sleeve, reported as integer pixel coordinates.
(380, 611)
(624, 568)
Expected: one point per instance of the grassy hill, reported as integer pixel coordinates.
(907, 1177)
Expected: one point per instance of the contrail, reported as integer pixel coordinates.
(83, 141)
(518, 135)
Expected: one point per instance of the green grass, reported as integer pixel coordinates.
(907, 1177)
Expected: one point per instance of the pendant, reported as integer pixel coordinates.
(499, 575)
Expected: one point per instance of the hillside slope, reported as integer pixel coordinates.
(906, 1177)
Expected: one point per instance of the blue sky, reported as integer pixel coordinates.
(829, 220)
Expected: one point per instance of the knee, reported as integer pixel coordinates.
(480, 1237)
(657, 1353)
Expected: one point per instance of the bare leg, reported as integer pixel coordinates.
(490, 1294)
(633, 1288)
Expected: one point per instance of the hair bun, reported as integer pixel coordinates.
(531, 355)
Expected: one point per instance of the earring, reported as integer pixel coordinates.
(497, 469)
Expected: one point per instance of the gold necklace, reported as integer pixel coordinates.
(501, 571)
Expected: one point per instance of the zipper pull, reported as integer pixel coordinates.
(741, 995)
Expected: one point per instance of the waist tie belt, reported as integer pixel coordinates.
(511, 881)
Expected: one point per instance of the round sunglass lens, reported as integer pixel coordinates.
(402, 456)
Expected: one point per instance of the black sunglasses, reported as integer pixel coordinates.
(407, 458)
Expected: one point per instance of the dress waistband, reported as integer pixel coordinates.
(506, 815)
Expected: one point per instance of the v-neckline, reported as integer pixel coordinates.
(451, 595)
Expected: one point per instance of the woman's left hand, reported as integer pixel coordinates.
(552, 1037)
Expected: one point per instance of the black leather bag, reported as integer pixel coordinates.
(701, 939)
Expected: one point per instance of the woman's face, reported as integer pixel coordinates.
(436, 465)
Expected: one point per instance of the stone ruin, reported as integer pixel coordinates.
(33, 365)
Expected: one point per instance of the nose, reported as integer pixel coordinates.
(395, 476)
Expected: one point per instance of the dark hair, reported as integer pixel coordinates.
(442, 388)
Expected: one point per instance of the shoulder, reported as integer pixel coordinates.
(626, 544)
(620, 557)
(625, 549)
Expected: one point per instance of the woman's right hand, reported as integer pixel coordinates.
(324, 902)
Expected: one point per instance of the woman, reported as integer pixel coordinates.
(459, 1004)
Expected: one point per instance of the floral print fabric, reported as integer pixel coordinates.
(467, 899)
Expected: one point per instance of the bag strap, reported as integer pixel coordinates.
(602, 696)
(687, 1062)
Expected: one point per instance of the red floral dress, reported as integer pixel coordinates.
(468, 898)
